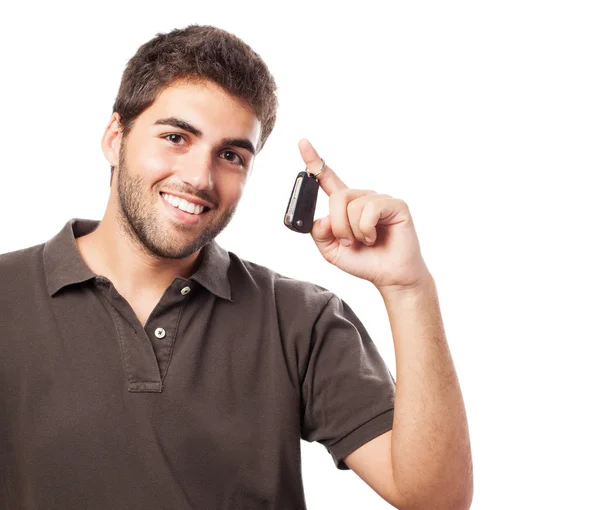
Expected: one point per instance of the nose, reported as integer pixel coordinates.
(197, 169)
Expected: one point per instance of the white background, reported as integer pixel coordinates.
(483, 116)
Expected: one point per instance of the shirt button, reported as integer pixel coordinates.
(159, 333)
(185, 290)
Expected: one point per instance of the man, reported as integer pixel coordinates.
(143, 366)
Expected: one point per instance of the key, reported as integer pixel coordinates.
(300, 212)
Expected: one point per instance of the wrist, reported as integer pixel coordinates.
(408, 292)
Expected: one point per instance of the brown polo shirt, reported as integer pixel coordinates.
(203, 407)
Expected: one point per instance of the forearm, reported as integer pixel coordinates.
(431, 453)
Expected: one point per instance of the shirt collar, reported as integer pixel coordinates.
(65, 266)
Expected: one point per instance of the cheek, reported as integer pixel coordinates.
(229, 190)
(235, 189)
(154, 164)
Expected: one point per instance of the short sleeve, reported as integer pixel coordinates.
(347, 390)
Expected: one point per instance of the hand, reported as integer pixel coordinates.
(366, 234)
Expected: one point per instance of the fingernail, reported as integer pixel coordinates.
(369, 240)
(345, 242)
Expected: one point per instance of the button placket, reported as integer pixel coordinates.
(163, 322)
(139, 360)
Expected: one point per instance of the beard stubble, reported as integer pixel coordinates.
(141, 222)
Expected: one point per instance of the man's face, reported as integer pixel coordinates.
(195, 142)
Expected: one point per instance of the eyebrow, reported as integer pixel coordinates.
(243, 143)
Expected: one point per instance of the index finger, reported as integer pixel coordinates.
(328, 179)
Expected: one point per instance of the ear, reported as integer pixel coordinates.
(111, 140)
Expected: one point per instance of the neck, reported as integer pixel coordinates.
(110, 251)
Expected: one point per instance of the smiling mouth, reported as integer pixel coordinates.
(184, 205)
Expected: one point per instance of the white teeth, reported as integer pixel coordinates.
(182, 204)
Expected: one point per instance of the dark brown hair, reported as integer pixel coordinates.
(193, 54)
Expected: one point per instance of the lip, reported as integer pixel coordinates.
(182, 217)
(191, 200)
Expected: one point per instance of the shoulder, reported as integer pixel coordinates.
(20, 271)
(287, 292)
(19, 263)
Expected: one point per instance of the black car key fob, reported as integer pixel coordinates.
(300, 212)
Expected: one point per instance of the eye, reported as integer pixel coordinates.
(231, 156)
(174, 138)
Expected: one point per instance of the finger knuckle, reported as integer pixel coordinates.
(340, 228)
(354, 207)
(345, 193)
